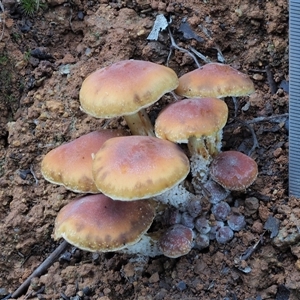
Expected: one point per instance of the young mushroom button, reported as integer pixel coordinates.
(98, 223)
(70, 164)
(126, 88)
(138, 167)
(233, 170)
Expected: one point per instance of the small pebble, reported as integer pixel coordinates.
(258, 77)
(181, 286)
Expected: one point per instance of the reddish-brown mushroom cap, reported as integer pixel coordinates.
(138, 167)
(214, 80)
(124, 88)
(71, 164)
(196, 117)
(233, 170)
(98, 223)
(176, 241)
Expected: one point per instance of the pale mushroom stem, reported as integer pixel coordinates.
(139, 123)
(202, 151)
(207, 147)
(197, 146)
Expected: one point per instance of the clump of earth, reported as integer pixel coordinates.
(44, 59)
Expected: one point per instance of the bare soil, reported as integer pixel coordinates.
(39, 110)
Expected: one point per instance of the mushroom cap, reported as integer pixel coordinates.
(191, 117)
(214, 80)
(233, 170)
(138, 167)
(70, 164)
(98, 223)
(176, 241)
(125, 87)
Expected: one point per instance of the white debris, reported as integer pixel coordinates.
(146, 246)
(160, 24)
(177, 196)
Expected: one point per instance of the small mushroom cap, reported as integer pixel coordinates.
(215, 80)
(98, 223)
(138, 167)
(176, 241)
(71, 164)
(125, 87)
(233, 170)
(191, 117)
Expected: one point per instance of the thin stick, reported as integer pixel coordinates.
(200, 55)
(42, 268)
(174, 45)
(251, 249)
(271, 119)
(271, 81)
(33, 174)
(254, 138)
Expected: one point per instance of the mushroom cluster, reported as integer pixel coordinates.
(134, 182)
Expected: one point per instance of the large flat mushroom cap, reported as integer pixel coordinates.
(70, 164)
(138, 167)
(125, 87)
(215, 80)
(191, 117)
(98, 223)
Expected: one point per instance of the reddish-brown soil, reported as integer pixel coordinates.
(39, 110)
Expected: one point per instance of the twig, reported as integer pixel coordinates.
(272, 119)
(200, 55)
(244, 123)
(257, 70)
(271, 80)
(251, 249)
(236, 105)
(33, 294)
(42, 268)
(33, 174)
(175, 46)
(176, 97)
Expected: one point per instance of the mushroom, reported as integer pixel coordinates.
(176, 241)
(215, 80)
(139, 167)
(197, 122)
(233, 170)
(126, 88)
(98, 223)
(70, 164)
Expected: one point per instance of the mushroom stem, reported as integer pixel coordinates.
(197, 146)
(207, 146)
(202, 151)
(139, 123)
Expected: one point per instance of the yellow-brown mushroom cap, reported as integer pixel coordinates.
(233, 170)
(71, 164)
(125, 87)
(98, 223)
(214, 80)
(191, 117)
(138, 167)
